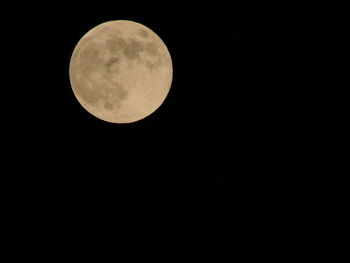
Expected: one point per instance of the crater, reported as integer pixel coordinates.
(112, 61)
(94, 92)
(90, 56)
(87, 92)
(119, 92)
(150, 65)
(108, 106)
(112, 65)
(142, 33)
(89, 60)
(114, 91)
(133, 49)
(115, 44)
(151, 48)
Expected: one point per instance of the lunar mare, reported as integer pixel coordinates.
(120, 71)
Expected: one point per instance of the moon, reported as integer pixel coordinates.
(120, 71)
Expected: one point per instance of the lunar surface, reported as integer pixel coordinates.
(120, 71)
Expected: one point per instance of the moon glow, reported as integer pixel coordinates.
(120, 71)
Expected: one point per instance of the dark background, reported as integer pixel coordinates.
(246, 160)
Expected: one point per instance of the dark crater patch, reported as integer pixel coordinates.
(112, 65)
(113, 60)
(133, 49)
(116, 44)
(117, 92)
(89, 60)
(150, 65)
(89, 94)
(96, 92)
(151, 48)
(108, 106)
(89, 57)
(142, 33)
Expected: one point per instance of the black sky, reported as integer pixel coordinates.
(246, 159)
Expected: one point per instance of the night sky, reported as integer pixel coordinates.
(246, 160)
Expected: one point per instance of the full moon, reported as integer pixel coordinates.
(120, 71)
